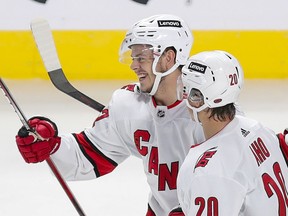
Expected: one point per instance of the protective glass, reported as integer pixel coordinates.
(195, 95)
(185, 92)
(127, 58)
(146, 55)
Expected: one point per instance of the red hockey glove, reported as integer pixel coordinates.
(176, 212)
(283, 140)
(37, 145)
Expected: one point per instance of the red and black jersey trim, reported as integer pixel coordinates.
(129, 87)
(101, 163)
(177, 212)
(150, 212)
(168, 107)
(283, 146)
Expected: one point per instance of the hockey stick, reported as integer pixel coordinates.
(41, 1)
(46, 46)
(50, 162)
(141, 1)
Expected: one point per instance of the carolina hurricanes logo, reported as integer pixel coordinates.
(205, 157)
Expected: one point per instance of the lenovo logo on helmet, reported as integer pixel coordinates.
(197, 67)
(169, 23)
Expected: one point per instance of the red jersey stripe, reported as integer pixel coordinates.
(102, 164)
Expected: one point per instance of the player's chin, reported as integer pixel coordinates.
(144, 88)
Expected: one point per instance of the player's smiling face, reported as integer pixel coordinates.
(142, 60)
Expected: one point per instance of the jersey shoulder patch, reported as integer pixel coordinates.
(132, 87)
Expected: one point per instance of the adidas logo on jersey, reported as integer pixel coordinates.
(244, 132)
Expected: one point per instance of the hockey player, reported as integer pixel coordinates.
(144, 120)
(239, 169)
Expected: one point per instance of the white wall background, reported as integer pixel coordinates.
(121, 14)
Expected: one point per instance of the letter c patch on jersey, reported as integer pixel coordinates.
(204, 158)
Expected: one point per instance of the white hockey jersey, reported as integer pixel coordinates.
(132, 124)
(239, 171)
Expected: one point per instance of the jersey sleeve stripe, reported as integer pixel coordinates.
(101, 163)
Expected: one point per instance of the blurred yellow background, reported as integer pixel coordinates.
(93, 54)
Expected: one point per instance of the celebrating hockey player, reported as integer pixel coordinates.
(239, 169)
(145, 120)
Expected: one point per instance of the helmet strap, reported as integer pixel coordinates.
(196, 110)
(160, 75)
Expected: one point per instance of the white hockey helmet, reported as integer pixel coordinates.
(216, 74)
(159, 32)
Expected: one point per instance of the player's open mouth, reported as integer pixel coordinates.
(141, 77)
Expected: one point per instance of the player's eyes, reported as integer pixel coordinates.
(141, 59)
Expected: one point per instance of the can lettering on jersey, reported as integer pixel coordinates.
(167, 174)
